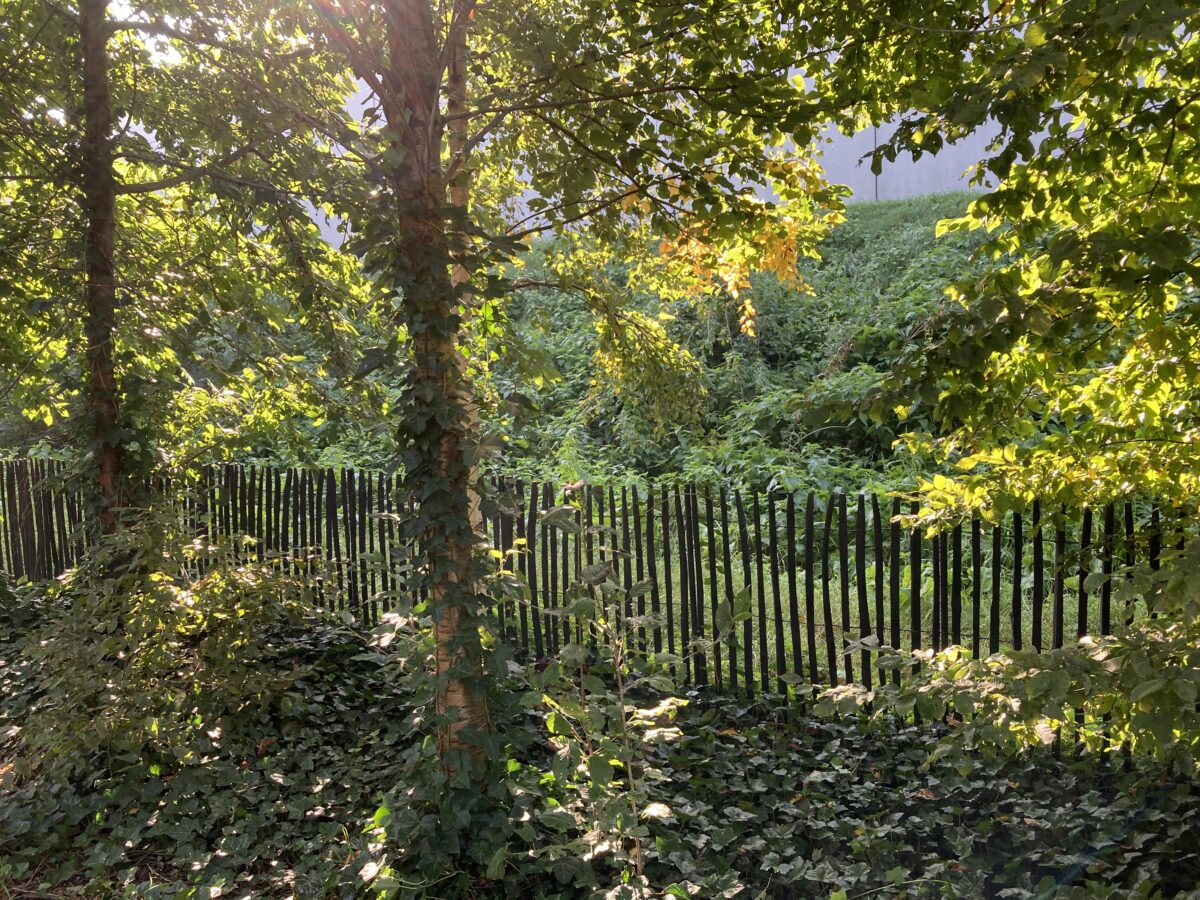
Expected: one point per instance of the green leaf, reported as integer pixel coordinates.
(600, 770)
(1145, 689)
(497, 863)
(562, 518)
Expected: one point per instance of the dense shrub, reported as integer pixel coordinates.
(783, 404)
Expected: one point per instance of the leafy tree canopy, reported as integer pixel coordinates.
(1069, 370)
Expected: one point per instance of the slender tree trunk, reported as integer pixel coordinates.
(460, 198)
(438, 414)
(99, 207)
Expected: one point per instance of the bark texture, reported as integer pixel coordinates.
(100, 302)
(440, 410)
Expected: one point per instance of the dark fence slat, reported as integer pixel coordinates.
(628, 549)
(747, 587)
(349, 523)
(712, 586)
(44, 523)
(880, 578)
(253, 482)
(62, 518)
(976, 584)
(793, 595)
(698, 624)
(25, 520)
(1130, 558)
(1058, 613)
(826, 600)
(6, 554)
(1017, 597)
(994, 612)
(956, 591)
(860, 574)
(614, 538)
(1039, 574)
(1154, 551)
(1085, 568)
(266, 525)
(682, 543)
(577, 562)
(844, 585)
(564, 570)
(245, 514)
(549, 570)
(935, 605)
(915, 575)
(366, 541)
(668, 565)
(761, 597)
(727, 560)
(16, 556)
(1109, 550)
(810, 587)
(333, 539)
(640, 571)
(300, 522)
(534, 542)
(651, 559)
(317, 520)
(287, 551)
(12, 516)
(499, 521)
(895, 565)
(383, 503)
(523, 556)
(776, 596)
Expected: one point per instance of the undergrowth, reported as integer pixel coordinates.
(253, 746)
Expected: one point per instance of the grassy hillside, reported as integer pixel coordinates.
(779, 406)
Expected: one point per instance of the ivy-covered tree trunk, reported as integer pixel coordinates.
(437, 413)
(459, 193)
(100, 312)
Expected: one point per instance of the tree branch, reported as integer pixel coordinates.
(189, 172)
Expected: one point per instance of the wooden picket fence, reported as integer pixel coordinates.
(747, 591)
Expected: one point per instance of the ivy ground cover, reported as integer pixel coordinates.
(311, 786)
